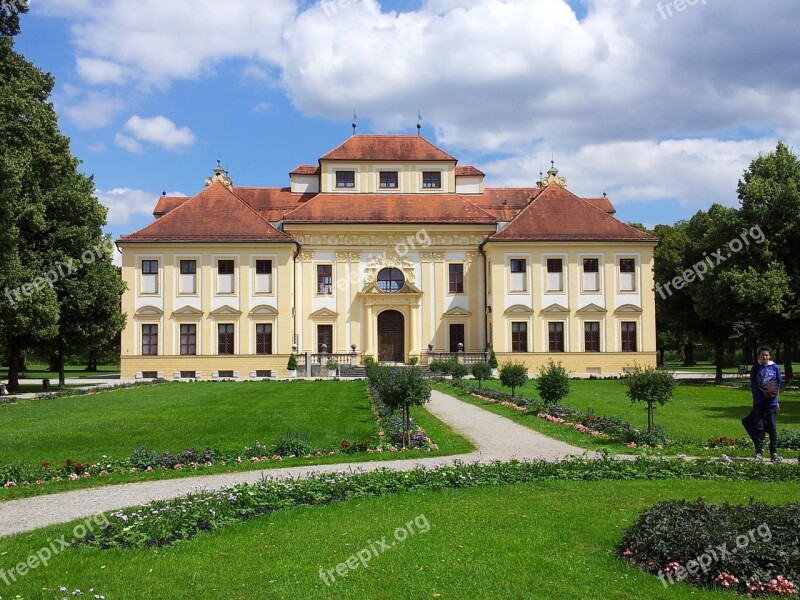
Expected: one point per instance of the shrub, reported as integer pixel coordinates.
(436, 367)
(729, 546)
(649, 385)
(413, 360)
(292, 364)
(492, 359)
(481, 371)
(553, 383)
(331, 364)
(292, 442)
(400, 389)
(458, 370)
(513, 375)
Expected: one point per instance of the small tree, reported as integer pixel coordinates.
(458, 370)
(292, 364)
(402, 388)
(513, 374)
(492, 359)
(481, 371)
(652, 386)
(553, 382)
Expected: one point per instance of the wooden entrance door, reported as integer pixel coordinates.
(391, 339)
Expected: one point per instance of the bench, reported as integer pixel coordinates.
(744, 370)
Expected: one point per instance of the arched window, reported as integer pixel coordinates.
(390, 280)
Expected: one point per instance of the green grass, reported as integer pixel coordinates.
(543, 540)
(708, 367)
(175, 416)
(696, 412)
(41, 371)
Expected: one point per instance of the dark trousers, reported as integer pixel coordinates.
(766, 420)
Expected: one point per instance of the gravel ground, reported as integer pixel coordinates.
(495, 437)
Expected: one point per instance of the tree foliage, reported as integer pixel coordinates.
(552, 383)
(481, 371)
(651, 386)
(513, 375)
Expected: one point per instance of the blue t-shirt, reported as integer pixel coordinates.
(759, 375)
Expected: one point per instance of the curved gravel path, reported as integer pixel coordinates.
(495, 437)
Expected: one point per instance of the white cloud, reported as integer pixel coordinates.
(159, 131)
(97, 147)
(699, 172)
(128, 143)
(157, 42)
(125, 204)
(96, 71)
(92, 110)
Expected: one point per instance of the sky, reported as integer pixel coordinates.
(660, 104)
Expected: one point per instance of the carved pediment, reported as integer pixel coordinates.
(555, 309)
(263, 310)
(518, 310)
(592, 309)
(149, 311)
(226, 311)
(324, 313)
(392, 260)
(457, 312)
(628, 309)
(187, 311)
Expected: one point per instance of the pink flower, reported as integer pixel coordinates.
(178, 467)
(10, 484)
(73, 476)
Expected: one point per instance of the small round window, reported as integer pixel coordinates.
(390, 280)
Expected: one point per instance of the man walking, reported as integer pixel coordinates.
(765, 382)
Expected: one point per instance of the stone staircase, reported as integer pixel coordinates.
(348, 371)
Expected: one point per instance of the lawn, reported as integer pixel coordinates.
(41, 371)
(175, 416)
(695, 413)
(545, 540)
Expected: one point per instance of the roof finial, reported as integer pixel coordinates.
(220, 175)
(552, 175)
(419, 123)
(604, 194)
(355, 121)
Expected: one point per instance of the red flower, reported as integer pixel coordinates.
(345, 444)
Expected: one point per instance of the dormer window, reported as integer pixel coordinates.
(345, 179)
(431, 179)
(388, 180)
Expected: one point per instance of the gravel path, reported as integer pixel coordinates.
(495, 437)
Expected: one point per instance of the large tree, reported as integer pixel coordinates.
(57, 283)
(769, 193)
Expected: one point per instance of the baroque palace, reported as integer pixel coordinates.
(385, 248)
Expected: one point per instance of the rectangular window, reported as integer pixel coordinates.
(263, 277)
(188, 340)
(264, 338)
(431, 179)
(627, 274)
(225, 338)
(591, 275)
(225, 270)
(345, 179)
(555, 336)
(555, 276)
(629, 336)
(149, 276)
(591, 336)
(150, 340)
(456, 336)
(188, 282)
(324, 338)
(388, 180)
(456, 278)
(325, 280)
(519, 337)
(518, 275)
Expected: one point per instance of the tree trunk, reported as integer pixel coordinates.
(788, 352)
(14, 359)
(62, 380)
(92, 361)
(53, 366)
(688, 354)
(719, 358)
(661, 357)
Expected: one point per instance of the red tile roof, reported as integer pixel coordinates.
(389, 208)
(167, 203)
(387, 147)
(504, 203)
(214, 215)
(603, 204)
(272, 203)
(559, 215)
(305, 170)
(471, 171)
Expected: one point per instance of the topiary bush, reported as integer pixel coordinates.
(742, 547)
(481, 371)
(458, 370)
(552, 383)
(513, 375)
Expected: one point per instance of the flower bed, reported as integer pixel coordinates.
(166, 522)
(751, 549)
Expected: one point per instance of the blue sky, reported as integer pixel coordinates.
(660, 107)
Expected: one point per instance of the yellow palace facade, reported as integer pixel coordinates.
(385, 248)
